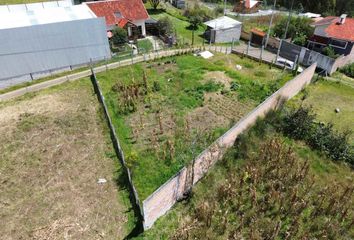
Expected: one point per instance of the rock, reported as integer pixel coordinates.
(101, 181)
(238, 67)
(337, 110)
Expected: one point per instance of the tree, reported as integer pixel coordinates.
(120, 36)
(165, 26)
(299, 28)
(195, 19)
(154, 3)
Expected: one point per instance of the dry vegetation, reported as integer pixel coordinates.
(54, 147)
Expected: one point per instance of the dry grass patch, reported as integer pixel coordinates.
(54, 147)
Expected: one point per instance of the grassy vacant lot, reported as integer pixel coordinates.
(326, 95)
(54, 147)
(267, 185)
(167, 112)
(180, 24)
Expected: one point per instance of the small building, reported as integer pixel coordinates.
(223, 29)
(257, 37)
(181, 4)
(247, 6)
(41, 39)
(128, 14)
(335, 32)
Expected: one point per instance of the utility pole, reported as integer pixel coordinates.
(287, 24)
(225, 7)
(270, 24)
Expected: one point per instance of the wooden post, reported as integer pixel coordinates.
(248, 47)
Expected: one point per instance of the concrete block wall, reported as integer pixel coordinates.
(163, 199)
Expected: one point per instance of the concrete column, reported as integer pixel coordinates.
(129, 31)
(143, 29)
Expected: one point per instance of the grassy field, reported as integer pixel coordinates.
(180, 24)
(55, 145)
(181, 105)
(236, 199)
(326, 95)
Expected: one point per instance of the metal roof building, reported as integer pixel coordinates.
(42, 39)
(223, 29)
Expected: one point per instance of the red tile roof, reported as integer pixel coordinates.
(258, 32)
(130, 10)
(343, 31)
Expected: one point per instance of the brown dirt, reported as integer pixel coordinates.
(227, 107)
(53, 149)
(146, 126)
(218, 77)
(203, 119)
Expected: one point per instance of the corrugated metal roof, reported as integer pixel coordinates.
(37, 15)
(222, 23)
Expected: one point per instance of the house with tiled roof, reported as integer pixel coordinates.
(247, 6)
(336, 32)
(128, 14)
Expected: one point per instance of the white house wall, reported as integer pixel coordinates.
(228, 35)
(48, 47)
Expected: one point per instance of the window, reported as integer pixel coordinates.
(338, 44)
(118, 14)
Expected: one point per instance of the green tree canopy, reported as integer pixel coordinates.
(165, 26)
(299, 29)
(120, 36)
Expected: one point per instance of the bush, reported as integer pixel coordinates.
(348, 70)
(120, 36)
(156, 86)
(329, 51)
(300, 125)
(165, 26)
(298, 29)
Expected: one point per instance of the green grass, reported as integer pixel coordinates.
(180, 24)
(145, 45)
(182, 89)
(324, 97)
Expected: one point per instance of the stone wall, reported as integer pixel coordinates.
(158, 203)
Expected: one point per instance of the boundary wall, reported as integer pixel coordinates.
(175, 189)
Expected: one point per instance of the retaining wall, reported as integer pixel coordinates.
(158, 203)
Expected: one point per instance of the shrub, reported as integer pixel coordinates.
(165, 26)
(156, 86)
(348, 70)
(300, 125)
(329, 51)
(120, 36)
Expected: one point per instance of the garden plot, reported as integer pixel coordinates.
(169, 111)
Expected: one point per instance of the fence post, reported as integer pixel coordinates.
(278, 52)
(132, 54)
(261, 56)
(295, 67)
(248, 47)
